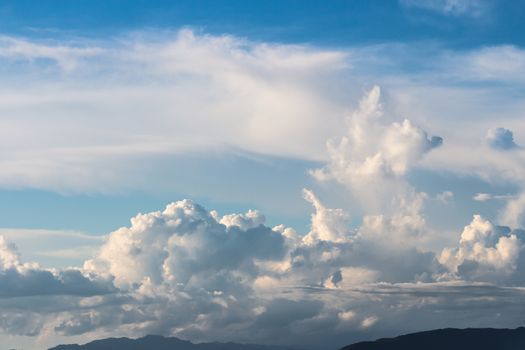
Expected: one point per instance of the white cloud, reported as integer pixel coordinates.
(234, 95)
(483, 197)
(369, 322)
(332, 225)
(485, 251)
(471, 8)
(513, 213)
(210, 93)
(497, 63)
(373, 157)
(66, 56)
(193, 273)
(185, 245)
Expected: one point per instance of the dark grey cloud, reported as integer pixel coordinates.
(34, 282)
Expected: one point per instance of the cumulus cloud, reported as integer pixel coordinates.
(331, 225)
(484, 251)
(193, 273)
(501, 138)
(29, 294)
(185, 244)
(19, 279)
(374, 156)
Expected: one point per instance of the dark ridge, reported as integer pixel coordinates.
(155, 342)
(450, 339)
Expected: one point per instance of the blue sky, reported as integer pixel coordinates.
(328, 151)
(335, 24)
(327, 23)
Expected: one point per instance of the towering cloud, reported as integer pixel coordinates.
(374, 155)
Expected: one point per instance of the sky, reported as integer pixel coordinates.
(278, 172)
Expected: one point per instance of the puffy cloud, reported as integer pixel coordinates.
(485, 251)
(29, 293)
(9, 257)
(501, 138)
(190, 272)
(184, 245)
(373, 157)
(331, 225)
(26, 279)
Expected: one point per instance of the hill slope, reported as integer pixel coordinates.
(450, 339)
(154, 342)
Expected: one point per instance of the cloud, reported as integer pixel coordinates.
(501, 138)
(374, 156)
(185, 244)
(504, 63)
(369, 322)
(54, 248)
(469, 8)
(66, 56)
(483, 197)
(485, 251)
(193, 273)
(209, 87)
(330, 225)
(278, 100)
(445, 197)
(513, 214)
(19, 279)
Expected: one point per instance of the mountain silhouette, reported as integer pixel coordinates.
(442, 339)
(450, 339)
(155, 342)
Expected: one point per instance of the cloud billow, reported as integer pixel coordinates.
(190, 272)
(501, 138)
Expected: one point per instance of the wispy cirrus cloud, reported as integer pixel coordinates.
(469, 8)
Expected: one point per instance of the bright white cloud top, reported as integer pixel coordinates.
(103, 116)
